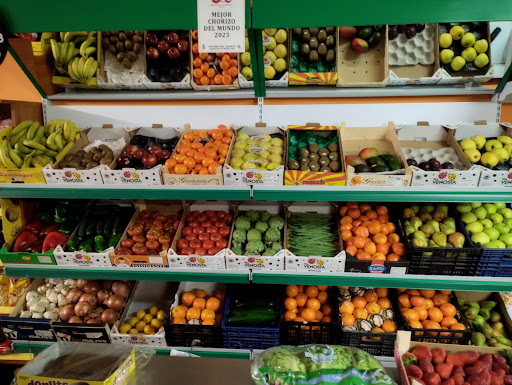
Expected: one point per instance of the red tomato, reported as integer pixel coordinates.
(201, 218)
(128, 243)
(123, 251)
(139, 238)
(176, 224)
(190, 218)
(140, 222)
(190, 237)
(203, 236)
(214, 219)
(208, 244)
(152, 245)
(182, 243)
(145, 214)
(221, 223)
(198, 230)
(207, 223)
(209, 213)
(154, 234)
(193, 224)
(212, 229)
(153, 252)
(221, 214)
(228, 218)
(172, 218)
(195, 243)
(186, 230)
(139, 249)
(157, 225)
(195, 213)
(222, 244)
(135, 230)
(200, 251)
(224, 231)
(215, 237)
(165, 238)
(213, 251)
(162, 218)
(187, 250)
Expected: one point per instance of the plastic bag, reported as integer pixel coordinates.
(318, 364)
(4, 290)
(17, 287)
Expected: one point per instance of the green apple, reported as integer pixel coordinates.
(475, 227)
(458, 63)
(236, 162)
(280, 65)
(247, 73)
(247, 44)
(280, 51)
(480, 238)
(240, 145)
(271, 44)
(247, 165)
(237, 153)
(508, 147)
(245, 58)
(469, 218)
(445, 41)
(270, 31)
(269, 72)
(496, 218)
(466, 144)
(490, 158)
(508, 222)
(481, 46)
(490, 208)
(499, 244)
(274, 158)
(446, 55)
(463, 207)
(481, 60)
(469, 54)
(502, 228)
(473, 155)
(281, 36)
(273, 166)
(506, 212)
(468, 40)
(475, 204)
(502, 153)
(264, 154)
(479, 140)
(486, 223)
(507, 239)
(480, 213)
(490, 245)
(492, 144)
(457, 32)
(500, 205)
(492, 233)
(505, 139)
(270, 57)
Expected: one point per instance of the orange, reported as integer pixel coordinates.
(403, 299)
(289, 316)
(179, 311)
(189, 163)
(448, 321)
(372, 308)
(411, 315)
(363, 256)
(205, 80)
(346, 234)
(371, 296)
(290, 303)
(381, 210)
(199, 303)
(440, 299)
(348, 320)
(292, 290)
(301, 288)
(458, 326)
(382, 247)
(361, 232)
(188, 298)
(364, 207)
(213, 303)
(370, 248)
(208, 321)
(319, 315)
(393, 238)
(311, 291)
(422, 312)
(359, 302)
(352, 205)
(346, 226)
(415, 324)
(448, 310)
(207, 314)
(434, 314)
(427, 293)
(322, 297)
(308, 315)
(401, 290)
(371, 214)
(428, 303)
(358, 242)
(313, 303)
(198, 73)
(446, 292)
(351, 249)
(346, 219)
(384, 303)
(233, 72)
(399, 248)
(417, 300)
(393, 257)
(301, 299)
(179, 320)
(360, 313)
(354, 213)
(377, 330)
(326, 309)
(218, 79)
(326, 319)
(193, 313)
(226, 79)
(412, 292)
(211, 73)
(389, 326)
(347, 307)
(180, 169)
(382, 292)
(374, 228)
(343, 211)
(379, 256)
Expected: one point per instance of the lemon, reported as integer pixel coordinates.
(154, 311)
(156, 323)
(140, 326)
(147, 318)
(140, 314)
(133, 331)
(161, 315)
(148, 329)
(132, 321)
(125, 328)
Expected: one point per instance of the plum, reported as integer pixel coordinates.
(424, 166)
(412, 162)
(447, 166)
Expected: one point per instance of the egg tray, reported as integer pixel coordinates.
(418, 50)
(442, 155)
(481, 31)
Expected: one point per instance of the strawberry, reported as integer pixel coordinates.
(459, 370)
(414, 371)
(499, 365)
(438, 356)
(444, 370)
(508, 379)
(457, 359)
(478, 367)
(498, 358)
(422, 351)
(487, 361)
(409, 359)
(449, 381)
(498, 377)
(458, 379)
(431, 379)
(483, 378)
(471, 357)
(426, 365)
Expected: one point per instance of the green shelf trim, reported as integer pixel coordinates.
(27, 347)
(302, 13)
(139, 275)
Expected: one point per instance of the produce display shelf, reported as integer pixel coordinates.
(15, 358)
(37, 271)
(6, 309)
(382, 194)
(333, 12)
(8, 190)
(384, 280)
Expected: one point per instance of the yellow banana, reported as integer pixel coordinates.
(89, 51)
(59, 141)
(15, 157)
(6, 132)
(19, 137)
(86, 44)
(4, 156)
(20, 127)
(63, 152)
(39, 134)
(70, 54)
(92, 70)
(55, 50)
(50, 142)
(27, 161)
(68, 130)
(31, 133)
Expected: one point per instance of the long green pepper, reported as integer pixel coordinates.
(312, 234)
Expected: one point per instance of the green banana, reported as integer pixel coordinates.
(27, 162)
(62, 35)
(39, 134)
(51, 153)
(22, 126)
(70, 54)
(31, 133)
(14, 157)
(68, 131)
(59, 141)
(89, 51)
(92, 34)
(34, 145)
(86, 44)
(68, 36)
(21, 148)
(6, 132)
(20, 136)
(63, 52)
(66, 148)
(4, 157)
(37, 162)
(92, 70)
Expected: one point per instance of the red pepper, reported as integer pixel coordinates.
(52, 240)
(25, 240)
(34, 226)
(49, 229)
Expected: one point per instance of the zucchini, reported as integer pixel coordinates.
(254, 303)
(114, 240)
(83, 227)
(251, 317)
(99, 226)
(118, 227)
(91, 229)
(109, 225)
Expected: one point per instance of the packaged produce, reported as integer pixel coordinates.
(313, 56)
(17, 287)
(317, 364)
(4, 290)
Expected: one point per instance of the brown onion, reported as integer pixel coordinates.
(66, 313)
(83, 308)
(93, 321)
(109, 316)
(115, 302)
(121, 288)
(80, 283)
(87, 297)
(103, 295)
(74, 295)
(107, 285)
(75, 320)
(86, 318)
(92, 287)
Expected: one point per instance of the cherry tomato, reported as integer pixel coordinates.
(228, 218)
(221, 214)
(213, 251)
(154, 234)
(123, 251)
(222, 244)
(212, 229)
(186, 230)
(139, 249)
(215, 237)
(165, 238)
(195, 243)
(209, 213)
(200, 251)
(191, 237)
(198, 230)
(203, 236)
(152, 245)
(182, 243)
(224, 231)
(139, 238)
(187, 250)
(127, 243)
(208, 244)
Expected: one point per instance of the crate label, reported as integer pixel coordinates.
(393, 180)
(44, 259)
(377, 267)
(398, 270)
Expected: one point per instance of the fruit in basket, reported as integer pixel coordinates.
(124, 45)
(197, 307)
(369, 160)
(364, 37)
(146, 322)
(308, 304)
(465, 44)
(257, 152)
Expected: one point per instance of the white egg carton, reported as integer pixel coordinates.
(418, 50)
(442, 155)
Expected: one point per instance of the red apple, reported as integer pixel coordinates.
(163, 155)
(129, 149)
(152, 53)
(155, 150)
(151, 39)
(139, 154)
(183, 45)
(173, 53)
(149, 160)
(173, 38)
(162, 46)
(124, 160)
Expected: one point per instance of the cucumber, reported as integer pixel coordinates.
(91, 229)
(253, 303)
(251, 317)
(83, 227)
(100, 224)
(118, 227)
(109, 225)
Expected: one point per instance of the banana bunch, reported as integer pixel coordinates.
(31, 145)
(82, 69)
(71, 46)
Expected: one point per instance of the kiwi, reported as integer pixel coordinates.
(313, 56)
(330, 30)
(324, 161)
(304, 49)
(322, 36)
(106, 33)
(128, 45)
(329, 42)
(80, 153)
(333, 156)
(127, 63)
(325, 169)
(322, 49)
(314, 31)
(137, 47)
(112, 49)
(129, 34)
(313, 148)
(113, 39)
(306, 36)
(313, 157)
(332, 147)
(137, 39)
(139, 33)
(132, 56)
(90, 165)
(313, 43)
(329, 56)
(97, 157)
(120, 46)
(297, 32)
(94, 150)
(68, 158)
(304, 152)
(120, 57)
(334, 165)
(293, 165)
(106, 161)
(323, 152)
(105, 42)
(314, 166)
(304, 168)
(73, 164)
(304, 161)
(103, 147)
(122, 36)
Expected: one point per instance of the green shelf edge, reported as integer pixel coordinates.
(144, 275)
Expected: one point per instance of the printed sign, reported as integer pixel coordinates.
(221, 25)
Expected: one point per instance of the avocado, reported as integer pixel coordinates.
(386, 157)
(365, 32)
(394, 164)
(380, 168)
(362, 168)
(374, 39)
(375, 161)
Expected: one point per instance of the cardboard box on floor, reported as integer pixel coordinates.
(384, 139)
(488, 177)
(436, 137)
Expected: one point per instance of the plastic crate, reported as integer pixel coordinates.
(238, 337)
(460, 337)
(207, 336)
(443, 260)
(299, 333)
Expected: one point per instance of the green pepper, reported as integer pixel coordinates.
(45, 216)
(66, 228)
(61, 214)
(86, 245)
(99, 243)
(72, 244)
(114, 240)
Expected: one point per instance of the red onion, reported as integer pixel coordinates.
(121, 288)
(75, 320)
(74, 295)
(66, 313)
(80, 283)
(103, 295)
(109, 316)
(87, 297)
(83, 308)
(107, 285)
(93, 321)
(115, 302)
(92, 287)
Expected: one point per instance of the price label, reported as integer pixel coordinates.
(3, 42)
(221, 25)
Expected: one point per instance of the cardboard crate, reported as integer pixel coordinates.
(354, 139)
(136, 177)
(313, 263)
(435, 137)
(115, 136)
(314, 178)
(143, 298)
(194, 261)
(255, 176)
(256, 262)
(488, 177)
(159, 261)
(363, 69)
(195, 179)
(413, 74)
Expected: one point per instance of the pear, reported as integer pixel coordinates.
(419, 243)
(438, 215)
(456, 239)
(431, 243)
(439, 238)
(415, 208)
(416, 222)
(443, 207)
(428, 207)
(428, 230)
(409, 230)
(419, 235)
(450, 222)
(407, 213)
(446, 229)
(424, 216)
(434, 224)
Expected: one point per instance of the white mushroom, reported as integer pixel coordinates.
(32, 294)
(37, 315)
(37, 308)
(32, 302)
(70, 283)
(50, 315)
(61, 300)
(25, 314)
